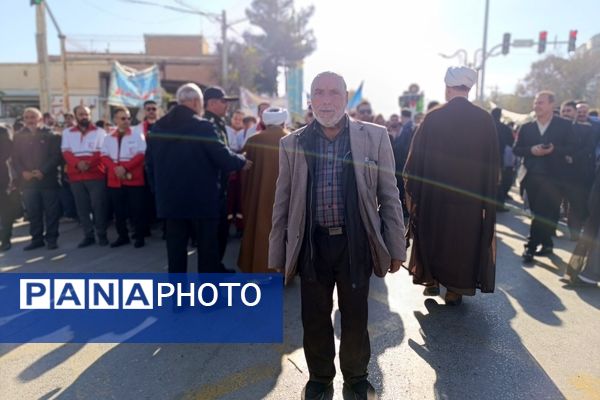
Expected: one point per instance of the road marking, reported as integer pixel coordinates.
(587, 384)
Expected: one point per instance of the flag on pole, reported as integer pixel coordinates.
(356, 99)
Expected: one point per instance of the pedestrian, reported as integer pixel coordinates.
(506, 158)
(451, 176)
(543, 144)
(123, 152)
(216, 103)
(36, 158)
(81, 146)
(401, 147)
(258, 190)
(6, 187)
(184, 157)
(336, 219)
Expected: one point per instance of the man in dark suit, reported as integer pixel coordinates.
(183, 159)
(505, 143)
(543, 144)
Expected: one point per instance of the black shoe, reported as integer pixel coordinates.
(545, 251)
(139, 243)
(362, 390)
(33, 245)
(88, 241)
(431, 291)
(52, 246)
(102, 241)
(5, 246)
(120, 242)
(527, 255)
(317, 391)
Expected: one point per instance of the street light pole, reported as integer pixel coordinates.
(224, 51)
(42, 50)
(63, 59)
(484, 51)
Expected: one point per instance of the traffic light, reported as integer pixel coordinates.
(35, 2)
(506, 43)
(572, 40)
(542, 41)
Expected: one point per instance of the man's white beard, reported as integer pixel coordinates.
(329, 123)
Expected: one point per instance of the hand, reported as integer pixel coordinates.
(37, 174)
(247, 166)
(395, 265)
(83, 166)
(120, 172)
(27, 175)
(539, 151)
(569, 159)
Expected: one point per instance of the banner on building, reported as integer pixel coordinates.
(249, 101)
(131, 88)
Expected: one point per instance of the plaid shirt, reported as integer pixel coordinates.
(330, 155)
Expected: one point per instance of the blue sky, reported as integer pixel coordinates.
(388, 44)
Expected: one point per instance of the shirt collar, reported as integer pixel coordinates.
(91, 127)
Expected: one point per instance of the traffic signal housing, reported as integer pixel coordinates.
(506, 43)
(572, 40)
(542, 40)
(35, 2)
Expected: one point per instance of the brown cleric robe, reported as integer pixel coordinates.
(258, 195)
(451, 176)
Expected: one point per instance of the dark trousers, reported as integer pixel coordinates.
(67, 201)
(223, 230)
(576, 192)
(508, 175)
(6, 217)
(128, 201)
(178, 235)
(43, 205)
(90, 197)
(544, 200)
(331, 267)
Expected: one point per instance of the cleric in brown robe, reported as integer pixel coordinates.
(451, 176)
(258, 190)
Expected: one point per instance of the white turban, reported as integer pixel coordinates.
(275, 116)
(460, 76)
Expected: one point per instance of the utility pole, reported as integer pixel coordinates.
(42, 52)
(224, 51)
(481, 87)
(63, 59)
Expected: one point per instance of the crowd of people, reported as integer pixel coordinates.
(328, 202)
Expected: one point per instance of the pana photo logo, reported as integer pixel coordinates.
(130, 294)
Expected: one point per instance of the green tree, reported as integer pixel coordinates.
(574, 78)
(284, 38)
(244, 66)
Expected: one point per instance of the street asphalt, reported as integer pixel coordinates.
(534, 338)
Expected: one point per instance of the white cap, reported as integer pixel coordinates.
(460, 76)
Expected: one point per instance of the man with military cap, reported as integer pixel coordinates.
(216, 103)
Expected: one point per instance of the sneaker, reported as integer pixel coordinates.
(52, 246)
(33, 245)
(317, 391)
(120, 242)
(88, 241)
(362, 390)
(102, 241)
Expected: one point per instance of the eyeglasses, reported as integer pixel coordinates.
(365, 111)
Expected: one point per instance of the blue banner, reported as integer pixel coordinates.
(141, 308)
(130, 87)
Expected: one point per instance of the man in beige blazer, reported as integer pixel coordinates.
(337, 218)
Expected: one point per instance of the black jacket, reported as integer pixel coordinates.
(183, 159)
(5, 152)
(37, 150)
(559, 133)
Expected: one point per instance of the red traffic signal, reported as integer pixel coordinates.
(572, 40)
(543, 38)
